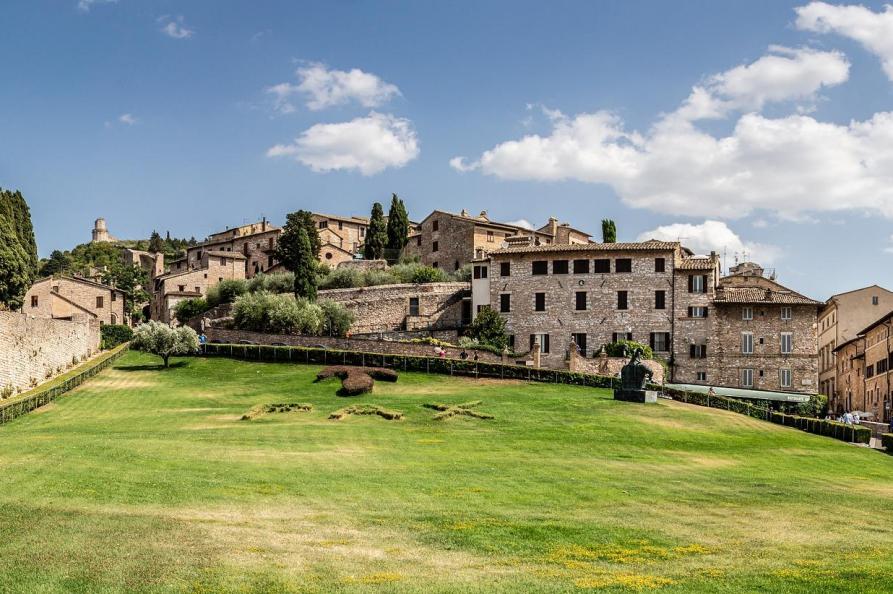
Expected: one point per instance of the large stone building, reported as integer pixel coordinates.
(189, 280)
(449, 241)
(101, 232)
(74, 298)
(840, 320)
(743, 330)
(255, 243)
(342, 237)
(849, 380)
(877, 347)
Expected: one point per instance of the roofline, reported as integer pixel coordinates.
(77, 305)
(77, 279)
(836, 295)
(485, 223)
(887, 316)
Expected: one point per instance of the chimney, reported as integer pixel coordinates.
(768, 296)
(464, 213)
(263, 224)
(483, 215)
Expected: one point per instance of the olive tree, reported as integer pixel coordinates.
(162, 340)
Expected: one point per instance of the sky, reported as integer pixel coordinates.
(760, 129)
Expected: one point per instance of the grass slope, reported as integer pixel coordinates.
(147, 481)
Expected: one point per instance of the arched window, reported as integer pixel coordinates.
(114, 318)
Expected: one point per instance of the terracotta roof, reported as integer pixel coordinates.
(696, 264)
(223, 254)
(650, 245)
(761, 295)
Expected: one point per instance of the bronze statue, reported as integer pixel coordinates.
(634, 378)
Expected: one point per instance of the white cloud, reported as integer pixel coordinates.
(86, 5)
(874, 30)
(713, 236)
(522, 223)
(175, 28)
(368, 144)
(126, 118)
(785, 74)
(791, 165)
(326, 88)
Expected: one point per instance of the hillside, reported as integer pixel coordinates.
(147, 480)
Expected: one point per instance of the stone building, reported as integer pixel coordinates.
(254, 242)
(849, 379)
(341, 237)
(188, 280)
(742, 330)
(840, 319)
(75, 298)
(877, 341)
(101, 232)
(152, 263)
(449, 241)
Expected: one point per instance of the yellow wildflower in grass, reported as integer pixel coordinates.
(631, 581)
(384, 577)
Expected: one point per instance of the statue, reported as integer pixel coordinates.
(634, 378)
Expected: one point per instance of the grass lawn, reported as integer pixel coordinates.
(147, 481)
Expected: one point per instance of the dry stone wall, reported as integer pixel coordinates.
(34, 349)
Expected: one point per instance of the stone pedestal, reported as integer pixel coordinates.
(649, 396)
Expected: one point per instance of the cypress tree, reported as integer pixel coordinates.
(377, 235)
(18, 251)
(609, 231)
(305, 267)
(398, 224)
(295, 251)
(156, 245)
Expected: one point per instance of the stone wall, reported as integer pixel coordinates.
(386, 308)
(346, 344)
(34, 349)
(611, 366)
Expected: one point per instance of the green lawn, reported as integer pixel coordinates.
(147, 481)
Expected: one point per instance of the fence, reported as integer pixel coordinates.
(23, 406)
(439, 365)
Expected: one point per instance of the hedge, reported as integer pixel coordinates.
(43, 396)
(721, 402)
(887, 442)
(841, 431)
(440, 365)
(114, 334)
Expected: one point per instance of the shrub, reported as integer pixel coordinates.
(625, 348)
(336, 319)
(293, 316)
(280, 282)
(356, 383)
(488, 328)
(189, 308)
(164, 341)
(342, 278)
(375, 278)
(114, 334)
(429, 274)
(226, 291)
(382, 374)
(6, 392)
(283, 314)
(816, 407)
(366, 409)
(463, 275)
(841, 431)
(887, 442)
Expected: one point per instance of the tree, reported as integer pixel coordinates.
(18, 250)
(295, 252)
(609, 231)
(162, 340)
(156, 244)
(57, 263)
(398, 224)
(132, 280)
(488, 328)
(377, 235)
(189, 308)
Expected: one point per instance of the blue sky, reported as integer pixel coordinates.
(165, 115)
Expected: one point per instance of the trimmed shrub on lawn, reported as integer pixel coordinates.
(114, 334)
(366, 409)
(841, 431)
(887, 442)
(356, 380)
(356, 383)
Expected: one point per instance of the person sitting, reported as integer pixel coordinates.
(463, 355)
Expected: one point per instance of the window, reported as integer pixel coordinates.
(622, 300)
(697, 312)
(702, 376)
(787, 343)
(697, 351)
(55, 288)
(34, 301)
(323, 224)
(114, 296)
(660, 342)
(435, 265)
(505, 269)
(182, 288)
(413, 306)
(479, 272)
(434, 246)
(511, 342)
(269, 261)
(602, 266)
(99, 302)
(505, 302)
(747, 378)
(435, 225)
(881, 366)
(490, 237)
(581, 300)
(786, 313)
(363, 232)
(746, 313)
(660, 265)
(874, 300)
(697, 283)
(456, 265)
(197, 290)
(869, 371)
(543, 340)
(784, 378)
(618, 336)
(559, 266)
(581, 266)
(340, 226)
(579, 339)
(540, 267)
(418, 240)
(539, 302)
(623, 265)
(747, 343)
(660, 300)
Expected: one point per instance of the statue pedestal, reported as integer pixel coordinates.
(643, 396)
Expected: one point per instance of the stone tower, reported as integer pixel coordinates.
(100, 231)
